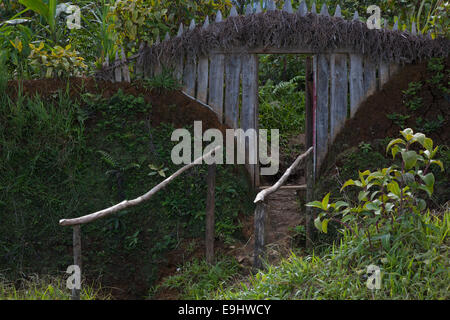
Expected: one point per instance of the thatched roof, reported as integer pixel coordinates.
(312, 32)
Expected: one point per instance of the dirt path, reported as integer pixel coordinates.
(284, 213)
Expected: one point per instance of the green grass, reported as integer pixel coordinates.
(415, 267)
(196, 279)
(46, 288)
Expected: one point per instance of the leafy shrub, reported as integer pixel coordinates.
(389, 196)
(58, 61)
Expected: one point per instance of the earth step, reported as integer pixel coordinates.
(283, 213)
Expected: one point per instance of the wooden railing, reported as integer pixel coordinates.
(260, 210)
(210, 205)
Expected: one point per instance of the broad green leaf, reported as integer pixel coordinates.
(407, 134)
(439, 163)
(394, 188)
(348, 183)
(394, 142)
(410, 159)
(371, 206)
(428, 189)
(318, 224)
(315, 204)
(340, 204)
(395, 150)
(325, 225)
(362, 196)
(325, 202)
(37, 6)
(428, 144)
(428, 179)
(419, 137)
(389, 206)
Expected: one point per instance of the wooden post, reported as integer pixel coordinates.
(322, 112)
(76, 256)
(210, 204)
(309, 97)
(309, 227)
(260, 219)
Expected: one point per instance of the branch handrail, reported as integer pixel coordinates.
(266, 192)
(260, 211)
(131, 203)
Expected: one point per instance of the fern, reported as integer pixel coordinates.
(109, 160)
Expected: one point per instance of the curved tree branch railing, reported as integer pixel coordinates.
(77, 222)
(260, 211)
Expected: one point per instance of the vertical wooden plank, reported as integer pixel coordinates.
(117, 69)
(370, 77)
(210, 205)
(140, 62)
(356, 82)
(189, 75)
(76, 256)
(302, 9)
(322, 111)
(232, 89)
(259, 225)
(309, 97)
(249, 109)
(309, 106)
(109, 73)
(383, 74)
(125, 69)
(339, 93)
(149, 67)
(216, 82)
(179, 63)
(202, 79)
(288, 6)
(202, 74)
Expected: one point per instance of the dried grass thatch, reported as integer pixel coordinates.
(283, 30)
